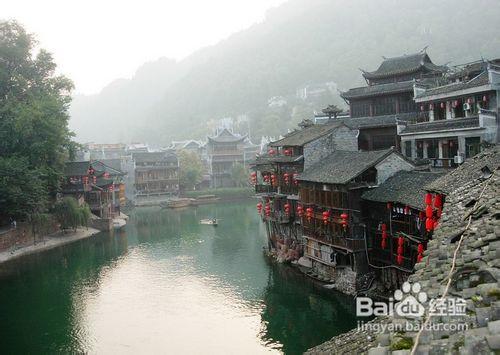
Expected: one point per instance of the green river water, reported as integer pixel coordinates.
(166, 284)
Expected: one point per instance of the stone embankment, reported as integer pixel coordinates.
(48, 242)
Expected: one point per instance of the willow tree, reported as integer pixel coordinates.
(34, 136)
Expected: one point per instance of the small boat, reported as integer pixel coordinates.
(210, 221)
(205, 199)
(176, 203)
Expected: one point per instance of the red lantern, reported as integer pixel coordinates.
(309, 214)
(383, 243)
(399, 259)
(112, 188)
(267, 209)
(295, 181)
(287, 209)
(106, 175)
(420, 248)
(259, 207)
(343, 218)
(326, 216)
(401, 240)
(428, 198)
(389, 205)
(384, 227)
(271, 151)
(300, 210)
(273, 180)
(407, 209)
(428, 211)
(286, 177)
(400, 249)
(429, 224)
(438, 201)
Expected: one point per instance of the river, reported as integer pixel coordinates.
(166, 284)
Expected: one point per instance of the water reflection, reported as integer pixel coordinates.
(166, 283)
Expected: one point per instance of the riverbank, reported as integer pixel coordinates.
(48, 242)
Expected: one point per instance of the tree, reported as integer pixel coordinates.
(239, 175)
(34, 137)
(70, 215)
(190, 169)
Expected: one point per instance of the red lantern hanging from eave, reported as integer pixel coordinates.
(429, 224)
(271, 152)
(294, 177)
(399, 259)
(407, 210)
(428, 211)
(259, 208)
(344, 216)
(383, 243)
(383, 227)
(428, 199)
(286, 177)
(438, 201)
(300, 210)
(287, 209)
(326, 217)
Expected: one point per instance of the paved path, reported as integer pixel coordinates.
(48, 242)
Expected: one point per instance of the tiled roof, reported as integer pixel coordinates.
(152, 157)
(340, 167)
(405, 64)
(80, 168)
(442, 125)
(480, 80)
(405, 187)
(300, 137)
(377, 121)
(375, 90)
(471, 170)
(225, 136)
(267, 159)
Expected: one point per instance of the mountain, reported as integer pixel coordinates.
(300, 42)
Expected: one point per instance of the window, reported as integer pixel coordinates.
(384, 106)
(383, 141)
(472, 146)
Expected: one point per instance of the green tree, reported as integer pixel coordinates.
(239, 175)
(190, 169)
(70, 215)
(34, 137)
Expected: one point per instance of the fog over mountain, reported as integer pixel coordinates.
(299, 43)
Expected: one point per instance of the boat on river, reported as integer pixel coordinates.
(210, 221)
(176, 203)
(205, 199)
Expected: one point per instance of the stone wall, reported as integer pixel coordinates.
(390, 166)
(23, 234)
(342, 138)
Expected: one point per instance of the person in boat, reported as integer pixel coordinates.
(214, 220)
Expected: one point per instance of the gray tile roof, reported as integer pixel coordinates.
(480, 80)
(405, 64)
(300, 137)
(377, 121)
(80, 168)
(375, 90)
(225, 136)
(405, 187)
(151, 157)
(340, 167)
(267, 159)
(470, 170)
(442, 125)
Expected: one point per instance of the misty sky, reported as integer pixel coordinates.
(94, 42)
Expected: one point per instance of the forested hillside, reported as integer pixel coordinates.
(300, 42)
